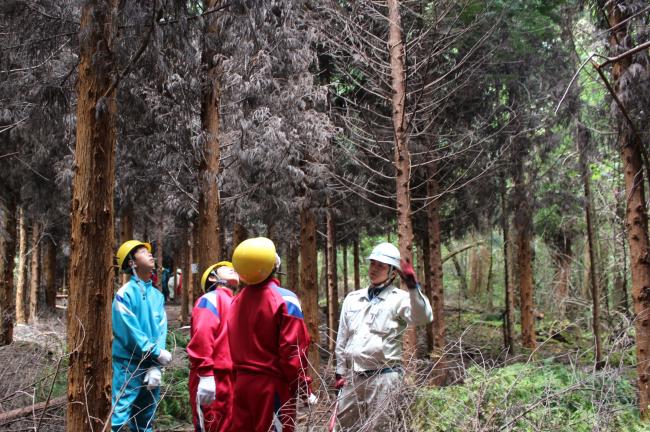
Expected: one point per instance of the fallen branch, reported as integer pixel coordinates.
(18, 413)
(463, 249)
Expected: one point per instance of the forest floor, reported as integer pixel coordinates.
(33, 367)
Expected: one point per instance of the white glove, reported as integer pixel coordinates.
(312, 399)
(153, 378)
(207, 390)
(164, 358)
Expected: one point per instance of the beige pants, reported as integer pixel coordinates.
(365, 402)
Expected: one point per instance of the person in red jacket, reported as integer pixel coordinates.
(210, 382)
(268, 343)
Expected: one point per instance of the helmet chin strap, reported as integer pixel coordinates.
(215, 284)
(387, 282)
(137, 278)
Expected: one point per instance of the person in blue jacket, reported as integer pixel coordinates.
(139, 333)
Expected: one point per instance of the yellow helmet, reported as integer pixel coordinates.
(254, 259)
(210, 269)
(126, 248)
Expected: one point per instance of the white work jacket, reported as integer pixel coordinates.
(370, 331)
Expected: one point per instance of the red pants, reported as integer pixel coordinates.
(217, 416)
(262, 403)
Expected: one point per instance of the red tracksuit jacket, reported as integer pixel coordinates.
(209, 354)
(268, 343)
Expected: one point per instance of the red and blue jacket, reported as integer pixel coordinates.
(268, 334)
(208, 349)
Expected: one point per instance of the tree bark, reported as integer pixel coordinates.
(21, 284)
(239, 234)
(428, 283)
(509, 315)
(563, 258)
(585, 172)
(346, 283)
(526, 289)
(474, 268)
(488, 260)
(49, 274)
(332, 282)
(34, 280)
(524, 232)
(293, 269)
(435, 265)
(159, 250)
(7, 257)
(186, 278)
(197, 289)
(309, 286)
(402, 154)
(636, 217)
(355, 263)
(92, 232)
(437, 296)
(126, 232)
(208, 223)
(460, 273)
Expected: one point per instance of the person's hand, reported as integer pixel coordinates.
(152, 378)
(207, 390)
(340, 382)
(407, 273)
(164, 358)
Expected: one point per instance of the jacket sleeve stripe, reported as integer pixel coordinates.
(204, 303)
(122, 308)
(293, 306)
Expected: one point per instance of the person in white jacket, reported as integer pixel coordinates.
(369, 340)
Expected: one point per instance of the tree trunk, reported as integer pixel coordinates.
(402, 154)
(91, 259)
(346, 284)
(435, 264)
(474, 268)
(309, 287)
(7, 257)
(49, 273)
(208, 224)
(332, 282)
(524, 232)
(197, 289)
(159, 250)
(21, 284)
(488, 260)
(293, 269)
(34, 280)
(437, 296)
(126, 232)
(563, 258)
(509, 315)
(428, 283)
(239, 234)
(355, 263)
(582, 139)
(526, 289)
(586, 271)
(623, 272)
(636, 217)
(460, 273)
(322, 282)
(186, 278)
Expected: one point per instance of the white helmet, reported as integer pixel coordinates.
(387, 254)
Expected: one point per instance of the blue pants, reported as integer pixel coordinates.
(133, 404)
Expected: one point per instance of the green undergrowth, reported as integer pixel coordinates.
(530, 397)
(174, 405)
